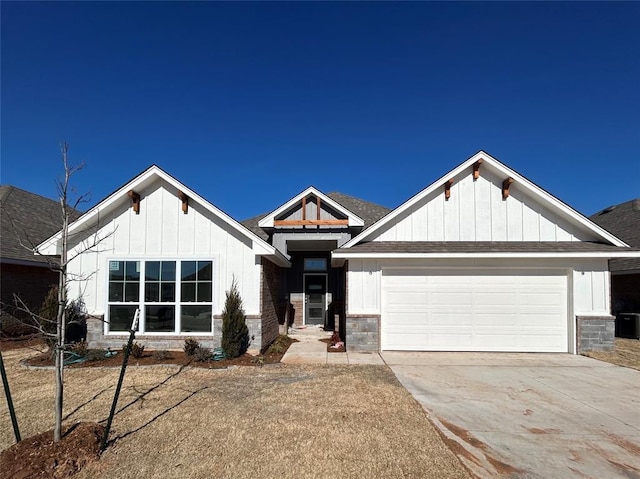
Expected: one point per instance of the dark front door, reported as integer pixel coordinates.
(315, 290)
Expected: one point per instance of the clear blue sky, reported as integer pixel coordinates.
(250, 103)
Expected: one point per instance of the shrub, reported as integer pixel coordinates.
(190, 346)
(235, 334)
(161, 354)
(137, 350)
(80, 348)
(75, 317)
(202, 354)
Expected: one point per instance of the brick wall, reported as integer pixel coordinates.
(595, 333)
(269, 298)
(31, 283)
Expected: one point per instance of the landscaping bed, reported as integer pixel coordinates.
(625, 353)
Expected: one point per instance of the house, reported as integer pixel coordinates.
(481, 260)
(623, 220)
(26, 219)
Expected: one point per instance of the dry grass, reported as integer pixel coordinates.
(285, 422)
(626, 353)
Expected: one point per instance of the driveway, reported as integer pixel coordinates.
(529, 415)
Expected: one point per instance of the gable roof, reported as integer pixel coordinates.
(26, 219)
(622, 220)
(353, 219)
(368, 211)
(545, 198)
(147, 177)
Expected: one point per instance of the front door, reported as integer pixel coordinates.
(315, 290)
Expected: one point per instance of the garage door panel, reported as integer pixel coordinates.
(478, 310)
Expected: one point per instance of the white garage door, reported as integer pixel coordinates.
(474, 310)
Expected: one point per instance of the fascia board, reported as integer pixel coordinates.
(602, 255)
(354, 220)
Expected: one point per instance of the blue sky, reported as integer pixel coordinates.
(250, 103)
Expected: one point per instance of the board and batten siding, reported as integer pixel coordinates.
(162, 231)
(588, 280)
(476, 211)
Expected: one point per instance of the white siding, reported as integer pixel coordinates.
(363, 294)
(591, 288)
(476, 211)
(162, 230)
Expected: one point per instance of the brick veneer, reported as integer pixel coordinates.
(269, 299)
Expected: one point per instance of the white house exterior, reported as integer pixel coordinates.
(481, 260)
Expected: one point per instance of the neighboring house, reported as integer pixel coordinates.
(481, 260)
(623, 220)
(26, 219)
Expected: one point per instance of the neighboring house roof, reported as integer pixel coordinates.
(622, 220)
(26, 219)
(148, 177)
(369, 212)
(476, 249)
(541, 196)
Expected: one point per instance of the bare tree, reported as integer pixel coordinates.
(69, 249)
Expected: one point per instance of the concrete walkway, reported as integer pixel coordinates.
(310, 349)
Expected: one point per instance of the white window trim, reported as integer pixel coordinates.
(177, 304)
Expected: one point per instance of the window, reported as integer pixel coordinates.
(315, 264)
(174, 296)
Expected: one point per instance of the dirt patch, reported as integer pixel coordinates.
(625, 353)
(9, 344)
(40, 457)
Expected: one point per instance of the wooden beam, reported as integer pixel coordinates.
(447, 188)
(505, 187)
(304, 208)
(309, 222)
(185, 201)
(476, 169)
(318, 206)
(135, 198)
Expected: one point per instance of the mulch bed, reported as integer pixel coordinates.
(40, 457)
(149, 358)
(332, 347)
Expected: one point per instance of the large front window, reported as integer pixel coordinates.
(173, 296)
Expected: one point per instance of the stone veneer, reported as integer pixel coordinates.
(595, 333)
(363, 333)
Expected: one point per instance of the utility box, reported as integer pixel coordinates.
(628, 325)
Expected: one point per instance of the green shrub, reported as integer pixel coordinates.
(190, 346)
(235, 334)
(137, 350)
(202, 354)
(161, 354)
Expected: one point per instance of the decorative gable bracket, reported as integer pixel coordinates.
(476, 169)
(135, 199)
(185, 201)
(447, 188)
(505, 187)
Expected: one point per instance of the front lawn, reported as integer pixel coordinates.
(276, 421)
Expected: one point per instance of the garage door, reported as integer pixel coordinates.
(474, 310)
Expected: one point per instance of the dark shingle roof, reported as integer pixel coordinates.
(369, 212)
(26, 219)
(623, 221)
(483, 247)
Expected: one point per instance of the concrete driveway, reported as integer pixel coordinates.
(529, 415)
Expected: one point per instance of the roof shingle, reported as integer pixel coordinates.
(622, 220)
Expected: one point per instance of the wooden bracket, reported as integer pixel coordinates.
(185, 201)
(447, 188)
(505, 187)
(304, 208)
(135, 198)
(476, 169)
(318, 208)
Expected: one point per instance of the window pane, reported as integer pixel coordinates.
(204, 270)
(168, 271)
(121, 317)
(132, 291)
(196, 319)
(204, 291)
(116, 270)
(188, 293)
(152, 271)
(168, 292)
(152, 292)
(160, 319)
(132, 270)
(188, 271)
(115, 291)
